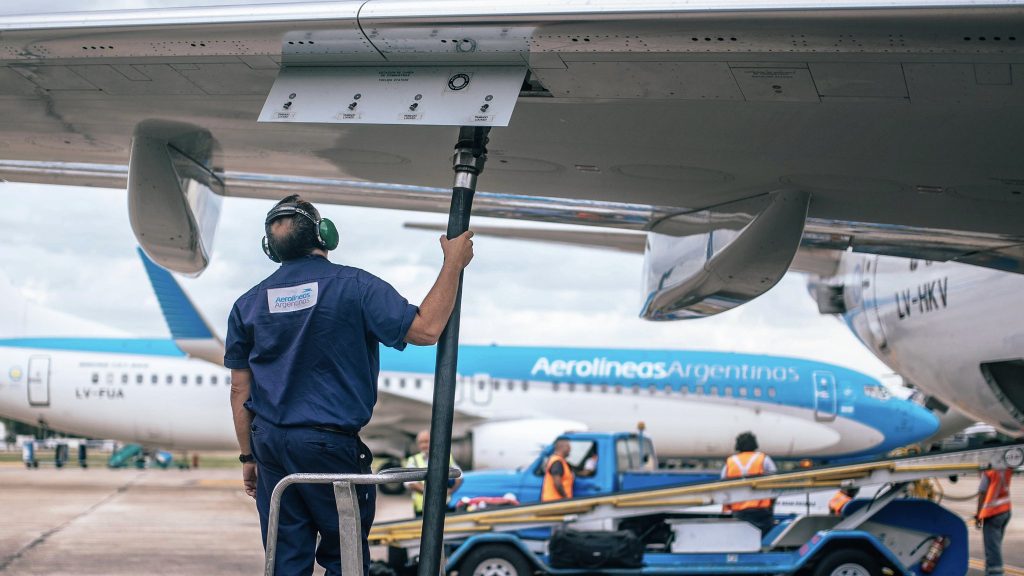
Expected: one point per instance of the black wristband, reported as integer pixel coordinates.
(245, 458)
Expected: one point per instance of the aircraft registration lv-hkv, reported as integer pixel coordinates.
(694, 403)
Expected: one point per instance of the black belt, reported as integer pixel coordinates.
(336, 430)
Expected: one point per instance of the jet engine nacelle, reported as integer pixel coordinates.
(701, 263)
(174, 197)
(513, 443)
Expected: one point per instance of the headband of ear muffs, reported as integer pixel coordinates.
(327, 236)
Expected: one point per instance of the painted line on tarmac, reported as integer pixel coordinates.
(979, 564)
(6, 562)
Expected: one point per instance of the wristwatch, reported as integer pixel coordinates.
(246, 458)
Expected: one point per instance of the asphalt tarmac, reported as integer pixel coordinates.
(113, 522)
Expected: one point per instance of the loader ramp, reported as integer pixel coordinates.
(680, 498)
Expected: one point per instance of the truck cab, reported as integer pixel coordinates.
(603, 462)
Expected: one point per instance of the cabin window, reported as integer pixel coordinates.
(728, 390)
(684, 390)
(401, 383)
(95, 378)
(743, 391)
(184, 379)
(169, 379)
(213, 380)
(199, 380)
(139, 378)
(496, 385)
(771, 391)
(524, 385)
(713, 391)
(757, 391)
(699, 391)
(387, 382)
(572, 387)
(554, 386)
(604, 388)
(227, 379)
(124, 378)
(419, 383)
(154, 379)
(510, 385)
(618, 388)
(652, 388)
(110, 378)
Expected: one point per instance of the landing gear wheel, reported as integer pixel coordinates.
(495, 560)
(392, 488)
(848, 563)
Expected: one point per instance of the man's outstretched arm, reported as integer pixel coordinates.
(437, 306)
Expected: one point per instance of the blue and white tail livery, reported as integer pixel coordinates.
(509, 400)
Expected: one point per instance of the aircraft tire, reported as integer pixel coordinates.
(848, 562)
(495, 560)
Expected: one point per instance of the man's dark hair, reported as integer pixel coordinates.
(299, 238)
(746, 442)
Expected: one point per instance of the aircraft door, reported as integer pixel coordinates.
(824, 396)
(482, 389)
(39, 381)
(870, 283)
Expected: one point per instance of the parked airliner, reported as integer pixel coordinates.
(693, 402)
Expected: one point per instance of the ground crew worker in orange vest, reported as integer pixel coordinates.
(558, 474)
(841, 499)
(749, 462)
(993, 515)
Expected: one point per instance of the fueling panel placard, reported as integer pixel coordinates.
(428, 95)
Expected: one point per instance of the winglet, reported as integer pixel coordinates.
(189, 329)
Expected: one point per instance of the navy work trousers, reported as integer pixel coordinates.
(992, 530)
(309, 509)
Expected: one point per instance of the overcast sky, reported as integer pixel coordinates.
(71, 249)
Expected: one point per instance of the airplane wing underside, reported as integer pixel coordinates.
(895, 127)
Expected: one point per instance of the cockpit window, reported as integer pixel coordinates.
(877, 392)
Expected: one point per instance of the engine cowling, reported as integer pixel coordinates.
(514, 443)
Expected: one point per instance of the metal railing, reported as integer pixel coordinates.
(349, 528)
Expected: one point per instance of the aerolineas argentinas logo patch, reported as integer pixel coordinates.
(292, 298)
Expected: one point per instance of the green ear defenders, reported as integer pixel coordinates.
(327, 236)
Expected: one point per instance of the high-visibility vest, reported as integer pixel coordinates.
(997, 497)
(835, 505)
(743, 465)
(547, 491)
(419, 460)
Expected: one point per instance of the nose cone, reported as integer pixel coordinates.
(914, 424)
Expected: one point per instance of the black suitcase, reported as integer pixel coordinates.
(587, 550)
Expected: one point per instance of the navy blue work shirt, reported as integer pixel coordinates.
(310, 334)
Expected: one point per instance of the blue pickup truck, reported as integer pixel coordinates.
(624, 461)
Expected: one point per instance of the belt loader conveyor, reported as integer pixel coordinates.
(605, 512)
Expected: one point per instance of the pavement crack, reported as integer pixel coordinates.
(6, 562)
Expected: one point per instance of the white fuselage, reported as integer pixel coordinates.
(182, 403)
(936, 324)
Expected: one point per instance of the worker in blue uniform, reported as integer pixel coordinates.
(303, 349)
